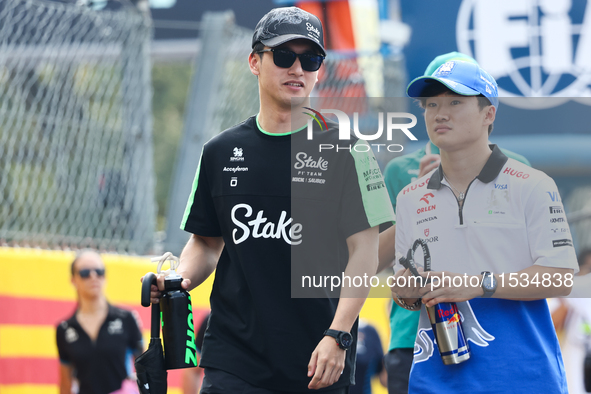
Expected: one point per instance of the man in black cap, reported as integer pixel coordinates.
(266, 206)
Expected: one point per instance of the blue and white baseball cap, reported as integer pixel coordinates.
(464, 78)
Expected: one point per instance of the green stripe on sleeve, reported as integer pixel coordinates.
(374, 194)
(192, 195)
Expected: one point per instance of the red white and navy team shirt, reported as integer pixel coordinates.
(512, 218)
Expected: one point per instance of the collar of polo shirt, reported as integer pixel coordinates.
(491, 169)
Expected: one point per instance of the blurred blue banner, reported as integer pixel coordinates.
(533, 48)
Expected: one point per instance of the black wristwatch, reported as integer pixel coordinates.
(489, 284)
(343, 338)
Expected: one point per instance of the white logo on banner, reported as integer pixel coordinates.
(558, 63)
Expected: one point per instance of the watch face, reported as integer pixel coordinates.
(489, 282)
(346, 340)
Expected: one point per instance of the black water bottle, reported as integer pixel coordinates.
(177, 324)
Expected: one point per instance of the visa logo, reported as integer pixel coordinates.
(554, 196)
(500, 187)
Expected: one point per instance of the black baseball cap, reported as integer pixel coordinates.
(284, 24)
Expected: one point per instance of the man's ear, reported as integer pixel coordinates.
(491, 113)
(254, 63)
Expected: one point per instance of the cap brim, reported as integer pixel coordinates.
(276, 41)
(417, 86)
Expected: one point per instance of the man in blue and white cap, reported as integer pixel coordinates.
(496, 229)
(400, 172)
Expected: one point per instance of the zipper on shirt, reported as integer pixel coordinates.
(461, 206)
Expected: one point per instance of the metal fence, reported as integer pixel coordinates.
(75, 127)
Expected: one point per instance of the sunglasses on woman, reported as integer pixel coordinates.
(85, 273)
(285, 58)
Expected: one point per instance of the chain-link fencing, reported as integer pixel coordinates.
(75, 127)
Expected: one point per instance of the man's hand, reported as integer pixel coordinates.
(465, 287)
(198, 260)
(328, 359)
(428, 163)
(440, 290)
(410, 287)
(156, 290)
(326, 364)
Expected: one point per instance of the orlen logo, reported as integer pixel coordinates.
(263, 228)
(541, 48)
(345, 129)
(425, 196)
(425, 199)
(423, 210)
(515, 173)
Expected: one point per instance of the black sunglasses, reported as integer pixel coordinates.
(85, 273)
(285, 59)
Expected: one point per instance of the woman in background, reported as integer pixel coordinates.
(96, 342)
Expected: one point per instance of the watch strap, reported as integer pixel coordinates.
(336, 334)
